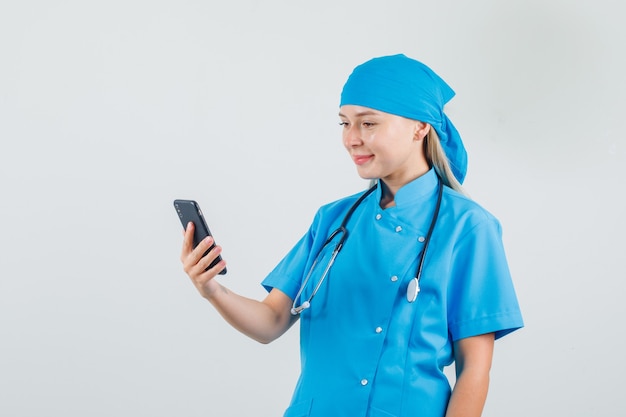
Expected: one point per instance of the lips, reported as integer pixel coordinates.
(361, 159)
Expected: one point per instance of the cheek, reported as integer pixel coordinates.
(370, 137)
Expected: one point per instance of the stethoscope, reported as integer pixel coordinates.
(413, 288)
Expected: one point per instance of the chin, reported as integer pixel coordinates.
(367, 175)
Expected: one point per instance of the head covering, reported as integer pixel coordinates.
(405, 87)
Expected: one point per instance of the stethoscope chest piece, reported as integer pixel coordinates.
(412, 290)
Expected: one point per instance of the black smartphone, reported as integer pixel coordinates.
(189, 211)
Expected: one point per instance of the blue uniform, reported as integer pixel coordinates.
(367, 351)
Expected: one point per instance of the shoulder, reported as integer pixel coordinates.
(340, 205)
(336, 210)
(467, 213)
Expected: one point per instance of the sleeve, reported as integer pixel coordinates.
(481, 296)
(289, 272)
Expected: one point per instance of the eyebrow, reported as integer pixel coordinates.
(363, 113)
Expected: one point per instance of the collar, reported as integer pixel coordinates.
(415, 191)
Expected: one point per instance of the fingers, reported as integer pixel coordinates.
(206, 253)
(187, 240)
(197, 260)
(189, 253)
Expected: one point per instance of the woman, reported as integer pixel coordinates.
(421, 280)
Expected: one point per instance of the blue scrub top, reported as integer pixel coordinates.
(367, 351)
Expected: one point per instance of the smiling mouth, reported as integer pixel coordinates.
(361, 159)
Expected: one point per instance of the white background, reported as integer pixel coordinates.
(111, 110)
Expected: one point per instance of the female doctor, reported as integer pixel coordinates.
(393, 284)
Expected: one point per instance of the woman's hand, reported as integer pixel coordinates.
(195, 264)
(263, 321)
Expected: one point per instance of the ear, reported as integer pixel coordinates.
(421, 130)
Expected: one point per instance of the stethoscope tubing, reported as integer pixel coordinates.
(413, 288)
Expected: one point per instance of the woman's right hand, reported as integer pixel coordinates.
(194, 264)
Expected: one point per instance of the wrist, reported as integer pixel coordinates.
(212, 290)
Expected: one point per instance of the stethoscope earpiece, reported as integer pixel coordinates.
(297, 310)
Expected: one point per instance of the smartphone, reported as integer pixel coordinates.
(189, 211)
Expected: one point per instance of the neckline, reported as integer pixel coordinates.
(412, 192)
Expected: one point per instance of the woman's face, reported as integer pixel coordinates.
(384, 145)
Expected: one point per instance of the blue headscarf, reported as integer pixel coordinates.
(405, 87)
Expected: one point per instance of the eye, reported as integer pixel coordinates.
(344, 124)
(368, 124)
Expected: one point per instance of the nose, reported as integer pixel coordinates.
(351, 137)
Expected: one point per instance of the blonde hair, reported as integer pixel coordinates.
(436, 157)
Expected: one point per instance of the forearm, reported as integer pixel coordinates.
(473, 357)
(469, 394)
(263, 321)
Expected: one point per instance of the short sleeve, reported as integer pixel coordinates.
(289, 272)
(481, 295)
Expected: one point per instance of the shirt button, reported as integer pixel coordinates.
(394, 278)
(364, 382)
(379, 216)
(399, 229)
(421, 239)
(379, 330)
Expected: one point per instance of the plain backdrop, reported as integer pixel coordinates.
(109, 110)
